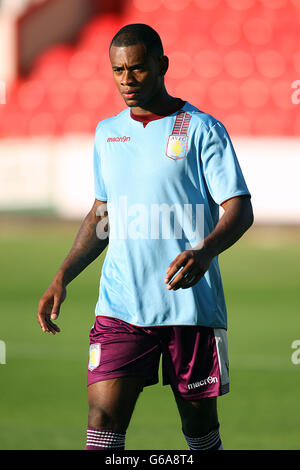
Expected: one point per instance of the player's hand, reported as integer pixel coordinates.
(49, 306)
(187, 269)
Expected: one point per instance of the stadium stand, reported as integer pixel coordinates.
(235, 60)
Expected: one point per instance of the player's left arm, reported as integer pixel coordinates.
(191, 265)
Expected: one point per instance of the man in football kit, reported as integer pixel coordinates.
(162, 170)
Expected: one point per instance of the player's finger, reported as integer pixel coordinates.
(46, 317)
(41, 317)
(176, 280)
(55, 308)
(53, 315)
(51, 326)
(193, 281)
(174, 267)
(189, 276)
(174, 283)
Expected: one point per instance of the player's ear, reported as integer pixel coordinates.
(164, 64)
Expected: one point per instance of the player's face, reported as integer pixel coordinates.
(137, 75)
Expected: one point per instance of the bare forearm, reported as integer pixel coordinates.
(86, 248)
(235, 221)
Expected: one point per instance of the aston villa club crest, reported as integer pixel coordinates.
(94, 356)
(178, 140)
(177, 146)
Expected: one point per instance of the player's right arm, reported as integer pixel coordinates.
(88, 245)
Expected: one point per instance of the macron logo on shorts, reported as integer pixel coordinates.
(208, 381)
(118, 139)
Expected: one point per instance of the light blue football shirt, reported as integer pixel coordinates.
(163, 184)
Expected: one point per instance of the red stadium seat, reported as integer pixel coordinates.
(235, 60)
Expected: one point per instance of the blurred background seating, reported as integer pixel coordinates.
(236, 60)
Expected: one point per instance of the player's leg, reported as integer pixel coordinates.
(195, 364)
(122, 360)
(200, 424)
(111, 403)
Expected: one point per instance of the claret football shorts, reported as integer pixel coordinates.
(194, 358)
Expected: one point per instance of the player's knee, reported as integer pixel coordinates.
(99, 418)
(199, 417)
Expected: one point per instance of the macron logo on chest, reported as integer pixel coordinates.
(118, 139)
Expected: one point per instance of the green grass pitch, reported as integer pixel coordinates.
(43, 395)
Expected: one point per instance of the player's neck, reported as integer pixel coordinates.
(163, 105)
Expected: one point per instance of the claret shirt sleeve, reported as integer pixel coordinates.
(221, 168)
(100, 191)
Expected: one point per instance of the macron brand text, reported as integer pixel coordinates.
(118, 139)
(209, 380)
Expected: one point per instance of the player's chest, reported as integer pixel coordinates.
(148, 156)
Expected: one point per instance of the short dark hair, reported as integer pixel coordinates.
(139, 33)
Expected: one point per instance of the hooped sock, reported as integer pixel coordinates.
(104, 439)
(211, 441)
